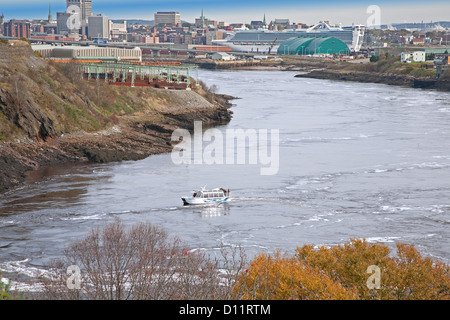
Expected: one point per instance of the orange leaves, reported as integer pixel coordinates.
(341, 272)
(416, 277)
(348, 263)
(282, 277)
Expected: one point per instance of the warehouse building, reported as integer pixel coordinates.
(88, 53)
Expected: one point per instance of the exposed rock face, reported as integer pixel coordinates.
(25, 114)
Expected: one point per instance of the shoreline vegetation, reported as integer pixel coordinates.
(148, 265)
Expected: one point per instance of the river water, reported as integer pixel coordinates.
(355, 161)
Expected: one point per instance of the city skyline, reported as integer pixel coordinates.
(232, 11)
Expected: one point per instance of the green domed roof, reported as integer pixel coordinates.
(305, 45)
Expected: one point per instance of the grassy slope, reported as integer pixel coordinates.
(29, 83)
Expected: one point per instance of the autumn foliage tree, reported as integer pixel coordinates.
(274, 277)
(341, 272)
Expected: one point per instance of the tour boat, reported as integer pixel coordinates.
(205, 196)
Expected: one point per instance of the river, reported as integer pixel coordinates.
(355, 161)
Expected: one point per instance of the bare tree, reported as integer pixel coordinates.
(141, 262)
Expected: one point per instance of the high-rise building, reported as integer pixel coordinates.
(17, 29)
(2, 21)
(171, 18)
(98, 27)
(61, 22)
(118, 30)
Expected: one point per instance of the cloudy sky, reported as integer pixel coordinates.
(309, 12)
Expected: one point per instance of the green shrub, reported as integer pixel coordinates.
(374, 58)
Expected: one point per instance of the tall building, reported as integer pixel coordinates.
(118, 30)
(2, 21)
(61, 22)
(171, 18)
(17, 29)
(98, 27)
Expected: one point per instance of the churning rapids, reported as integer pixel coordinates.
(355, 161)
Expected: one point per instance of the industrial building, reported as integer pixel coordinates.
(89, 53)
(307, 45)
(156, 75)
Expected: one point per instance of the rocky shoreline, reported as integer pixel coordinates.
(365, 77)
(329, 70)
(134, 137)
(376, 77)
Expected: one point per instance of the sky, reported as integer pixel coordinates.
(235, 11)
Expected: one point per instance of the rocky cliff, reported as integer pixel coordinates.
(50, 116)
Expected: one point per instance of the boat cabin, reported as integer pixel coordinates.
(210, 194)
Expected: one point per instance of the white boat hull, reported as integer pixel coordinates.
(200, 201)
